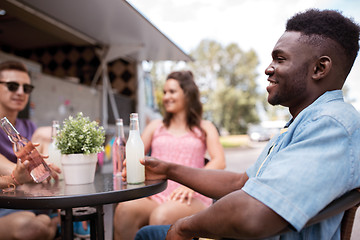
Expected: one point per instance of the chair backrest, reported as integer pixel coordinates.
(347, 223)
(348, 203)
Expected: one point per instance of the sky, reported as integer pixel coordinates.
(252, 24)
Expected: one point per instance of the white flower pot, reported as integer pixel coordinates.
(79, 168)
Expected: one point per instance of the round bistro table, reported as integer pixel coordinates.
(105, 189)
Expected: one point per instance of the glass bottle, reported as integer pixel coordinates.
(118, 148)
(53, 151)
(134, 152)
(25, 150)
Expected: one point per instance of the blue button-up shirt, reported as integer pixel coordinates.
(305, 168)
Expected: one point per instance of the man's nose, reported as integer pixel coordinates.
(269, 70)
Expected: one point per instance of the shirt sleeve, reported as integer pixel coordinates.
(300, 179)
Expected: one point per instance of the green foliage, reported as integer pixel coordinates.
(233, 141)
(227, 79)
(80, 135)
(159, 81)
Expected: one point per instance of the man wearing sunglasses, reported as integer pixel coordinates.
(14, 86)
(15, 89)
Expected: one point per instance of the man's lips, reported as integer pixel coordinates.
(272, 84)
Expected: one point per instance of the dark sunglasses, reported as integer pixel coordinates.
(14, 86)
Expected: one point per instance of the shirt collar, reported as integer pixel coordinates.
(324, 98)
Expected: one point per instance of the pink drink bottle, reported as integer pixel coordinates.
(118, 148)
(25, 150)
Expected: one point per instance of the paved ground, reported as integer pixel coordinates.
(238, 160)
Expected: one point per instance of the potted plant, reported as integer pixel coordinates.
(79, 141)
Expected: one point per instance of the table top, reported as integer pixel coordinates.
(105, 189)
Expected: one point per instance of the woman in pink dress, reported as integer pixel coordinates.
(181, 137)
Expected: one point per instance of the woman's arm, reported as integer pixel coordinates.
(148, 132)
(214, 147)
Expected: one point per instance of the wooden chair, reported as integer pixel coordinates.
(349, 202)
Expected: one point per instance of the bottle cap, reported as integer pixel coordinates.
(133, 115)
(119, 121)
(55, 123)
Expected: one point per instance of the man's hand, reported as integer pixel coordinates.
(154, 168)
(20, 173)
(175, 234)
(55, 170)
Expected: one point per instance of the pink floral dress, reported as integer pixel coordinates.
(188, 149)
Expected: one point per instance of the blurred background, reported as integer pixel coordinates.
(110, 58)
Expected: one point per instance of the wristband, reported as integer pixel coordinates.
(13, 177)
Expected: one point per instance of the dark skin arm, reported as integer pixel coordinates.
(235, 215)
(209, 182)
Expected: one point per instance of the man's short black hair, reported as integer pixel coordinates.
(329, 24)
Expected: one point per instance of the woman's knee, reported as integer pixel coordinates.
(124, 211)
(160, 216)
(133, 212)
(169, 212)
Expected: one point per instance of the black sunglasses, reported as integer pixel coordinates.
(14, 86)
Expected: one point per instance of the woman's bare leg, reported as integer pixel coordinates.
(130, 216)
(170, 211)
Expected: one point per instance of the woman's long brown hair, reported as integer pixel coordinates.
(193, 105)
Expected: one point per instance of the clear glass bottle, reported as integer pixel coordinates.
(118, 148)
(53, 151)
(25, 150)
(134, 152)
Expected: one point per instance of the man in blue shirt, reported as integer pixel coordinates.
(315, 160)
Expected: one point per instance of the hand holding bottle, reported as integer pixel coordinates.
(26, 151)
(134, 152)
(55, 169)
(54, 153)
(20, 174)
(155, 169)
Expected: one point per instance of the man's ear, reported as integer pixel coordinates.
(322, 67)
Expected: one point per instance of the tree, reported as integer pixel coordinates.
(226, 77)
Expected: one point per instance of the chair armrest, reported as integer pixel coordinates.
(343, 203)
